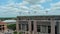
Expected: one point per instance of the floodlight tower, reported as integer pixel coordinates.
(46, 12)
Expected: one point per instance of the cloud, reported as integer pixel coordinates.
(13, 8)
(36, 7)
(24, 3)
(54, 9)
(37, 1)
(25, 8)
(55, 6)
(20, 8)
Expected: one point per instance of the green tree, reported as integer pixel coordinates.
(11, 26)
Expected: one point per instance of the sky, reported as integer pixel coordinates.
(13, 8)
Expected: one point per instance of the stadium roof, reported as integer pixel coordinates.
(40, 13)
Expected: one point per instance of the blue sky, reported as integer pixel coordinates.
(12, 8)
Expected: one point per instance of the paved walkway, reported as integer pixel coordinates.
(1, 33)
(7, 32)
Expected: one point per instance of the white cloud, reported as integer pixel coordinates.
(54, 10)
(37, 1)
(23, 3)
(15, 8)
(22, 7)
(36, 7)
(55, 6)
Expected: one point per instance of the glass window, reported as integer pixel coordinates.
(23, 27)
(49, 29)
(0, 28)
(38, 28)
(32, 25)
(43, 29)
(27, 26)
(0, 25)
(19, 26)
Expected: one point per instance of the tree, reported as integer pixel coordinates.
(11, 26)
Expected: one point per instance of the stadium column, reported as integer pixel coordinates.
(35, 27)
(29, 23)
(17, 26)
(52, 26)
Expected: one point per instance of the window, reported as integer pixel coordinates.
(0, 25)
(3, 28)
(27, 26)
(19, 26)
(0, 28)
(32, 25)
(38, 28)
(49, 29)
(23, 27)
(43, 29)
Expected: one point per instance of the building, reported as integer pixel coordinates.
(10, 21)
(3, 26)
(38, 23)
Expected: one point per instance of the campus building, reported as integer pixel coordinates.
(3, 26)
(38, 24)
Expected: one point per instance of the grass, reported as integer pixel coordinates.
(16, 32)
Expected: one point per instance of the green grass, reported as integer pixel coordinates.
(16, 32)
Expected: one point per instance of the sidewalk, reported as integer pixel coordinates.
(1, 33)
(7, 32)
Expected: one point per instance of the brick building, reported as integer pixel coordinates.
(3, 26)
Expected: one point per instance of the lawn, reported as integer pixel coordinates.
(16, 32)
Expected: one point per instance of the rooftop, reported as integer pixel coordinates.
(9, 21)
(40, 13)
(1, 23)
